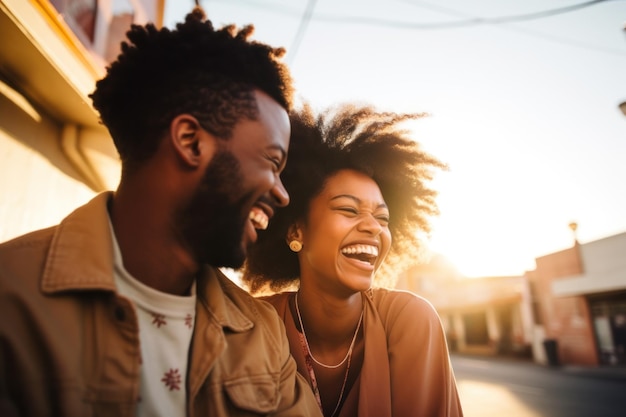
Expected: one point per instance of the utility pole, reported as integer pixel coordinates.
(622, 105)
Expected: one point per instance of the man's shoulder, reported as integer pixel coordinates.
(250, 305)
(23, 259)
(28, 243)
(42, 238)
(260, 313)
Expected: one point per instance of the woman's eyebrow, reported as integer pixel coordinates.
(355, 199)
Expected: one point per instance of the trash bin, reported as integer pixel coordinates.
(552, 351)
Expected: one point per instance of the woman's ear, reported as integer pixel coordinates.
(294, 233)
(294, 238)
(191, 142)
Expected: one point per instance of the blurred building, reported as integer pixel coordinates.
(488, 315)
(54, 154)
(571, 309)
(580, 301)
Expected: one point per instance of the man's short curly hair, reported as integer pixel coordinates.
(348, 137)
(210, 74)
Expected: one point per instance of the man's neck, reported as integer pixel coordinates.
(151, 252)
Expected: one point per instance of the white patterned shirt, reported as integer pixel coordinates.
(165, 328)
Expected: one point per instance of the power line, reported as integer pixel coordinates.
(475, 21)
(528, 32)
(565, 41)
(469, 21)
(304, 23)
(472, 21)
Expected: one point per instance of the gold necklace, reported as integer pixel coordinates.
(308, 358)
(356, 332)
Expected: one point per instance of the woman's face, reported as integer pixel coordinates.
(346, 235)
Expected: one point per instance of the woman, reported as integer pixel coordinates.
(356, 181)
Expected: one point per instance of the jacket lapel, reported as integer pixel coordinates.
(214, 312)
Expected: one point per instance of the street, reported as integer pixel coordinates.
(513, 388)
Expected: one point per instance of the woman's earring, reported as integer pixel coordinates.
(295, 246)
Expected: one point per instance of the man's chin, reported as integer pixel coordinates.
(237, 263)
(229, 251)
(234, 259)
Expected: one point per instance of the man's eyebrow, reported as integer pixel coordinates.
(279, 148)
(355, 199)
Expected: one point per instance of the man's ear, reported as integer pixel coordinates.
(191, 143)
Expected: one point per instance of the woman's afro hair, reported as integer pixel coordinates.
(348, 137)
(210, 74)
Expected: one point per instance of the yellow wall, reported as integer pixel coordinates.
(54, 155)
(38, 185)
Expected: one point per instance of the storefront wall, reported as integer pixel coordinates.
(38, 184)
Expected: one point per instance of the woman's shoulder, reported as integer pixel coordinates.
(395, 303)
(276, 297)
(279, 301)
(385, 296)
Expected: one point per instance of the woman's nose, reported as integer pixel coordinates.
(370, 224)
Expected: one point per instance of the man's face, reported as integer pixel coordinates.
(240, 188)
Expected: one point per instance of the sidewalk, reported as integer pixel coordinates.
(617, 373)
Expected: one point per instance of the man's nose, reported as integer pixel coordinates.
(280, 193)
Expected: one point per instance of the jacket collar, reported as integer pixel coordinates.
(81, 252)
(216, 293)
(81, 258)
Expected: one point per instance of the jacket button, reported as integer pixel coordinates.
(120, 314)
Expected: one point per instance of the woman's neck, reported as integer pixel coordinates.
(330, 323)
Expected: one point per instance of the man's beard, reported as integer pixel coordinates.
(213, 223)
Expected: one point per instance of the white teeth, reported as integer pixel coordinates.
(360, 249)
(259, 219)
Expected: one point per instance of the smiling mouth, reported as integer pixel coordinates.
(258, 218)
(360, 252)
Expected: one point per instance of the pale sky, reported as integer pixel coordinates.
(525, 113)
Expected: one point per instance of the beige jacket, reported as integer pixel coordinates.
(69, 344)
(406, 369)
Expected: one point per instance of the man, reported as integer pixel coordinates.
(120, 310)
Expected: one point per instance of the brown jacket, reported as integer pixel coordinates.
(69, 344)
(406, 369)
